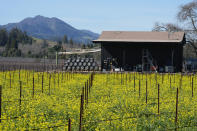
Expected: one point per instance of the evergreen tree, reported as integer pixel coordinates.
(3, 37)
(65, 39)
(71, 42)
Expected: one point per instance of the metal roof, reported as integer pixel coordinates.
(129, 36)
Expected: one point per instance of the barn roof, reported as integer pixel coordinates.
(129, 36)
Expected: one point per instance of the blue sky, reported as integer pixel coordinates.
(95, 15)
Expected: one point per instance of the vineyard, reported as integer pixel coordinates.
(96, 101)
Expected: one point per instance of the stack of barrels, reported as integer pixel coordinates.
(81, 64)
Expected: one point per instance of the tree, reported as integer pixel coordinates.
(11, 41)
(71, 43)
(65, 39)
(44, 44)
(59, 42)
(166, 27)
(188, 16)
(83, 46)
(3, 37)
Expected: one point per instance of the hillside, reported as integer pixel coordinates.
(51, 29)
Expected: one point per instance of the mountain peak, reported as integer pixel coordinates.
(51, 29)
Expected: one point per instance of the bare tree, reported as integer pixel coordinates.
(166, 27)
(188, 16)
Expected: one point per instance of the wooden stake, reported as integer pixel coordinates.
(134, 82)
(69, 124)
(192, 87)
(170, 81)
(81, 113)
(10, 80)
(146, 91)
(20, 93)
(33, 85)
(87, 91)
(158, 99)
(0, 101)
(58, 80)
(139, 87)
(42, 81)
(176, 117)
(49, 83)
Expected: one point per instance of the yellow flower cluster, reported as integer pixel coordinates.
(116, 101)
(46, 102)
(129, 101)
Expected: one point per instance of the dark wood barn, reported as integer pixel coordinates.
(142, 51)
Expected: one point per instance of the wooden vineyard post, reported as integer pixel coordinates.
(158, 99)
(62, 76)
(81, 113)
(126, 78)
(121, 78)
(192, 86)
(0, 101)
(19, 75)
(176, 117)
(134, 82)
(139, 88)
(42, 81)
(146, 92)
(10, 80)
(54, 79)
(49, 83)
(20, 93)
(170, 82)
(87, 92)
(69, 124)
(33, 85)
(58, 80)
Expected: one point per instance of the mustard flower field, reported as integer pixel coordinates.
(97, 101)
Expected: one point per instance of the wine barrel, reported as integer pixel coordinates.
(78, 60)
(78, 68)
(75, 64)
(82, 60)
(91, 68)
(96, 68)
(86, 68)
(69, 68)
(87, 60)
(89, 64)
(80, 63)
(73, 60)
(91, 60)
(69, 60)
(84, 63)
(82, 68)
(70, 64)
(93, 64)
